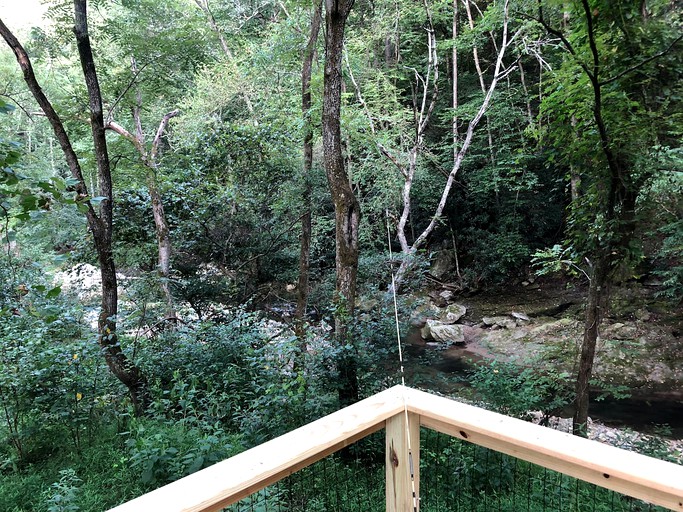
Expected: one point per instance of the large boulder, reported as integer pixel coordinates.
(442, 263)
(422, 313)
(435, 330)
(453, 313)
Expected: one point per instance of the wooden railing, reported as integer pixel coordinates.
(227, 482)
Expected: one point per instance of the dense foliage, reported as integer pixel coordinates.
(202, 111)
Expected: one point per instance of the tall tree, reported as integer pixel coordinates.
(425, 92)
(305, 249)
(606, 72)
(346, 206)
(100, 223)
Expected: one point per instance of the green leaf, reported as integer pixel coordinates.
(58, 183)
(54, 292)
(8, 177)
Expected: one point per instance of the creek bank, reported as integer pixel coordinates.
(638, 348)
(640, 351)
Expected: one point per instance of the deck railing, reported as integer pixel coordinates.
(216, 487)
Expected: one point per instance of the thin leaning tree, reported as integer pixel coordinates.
(616, 99)
(424, 102)
(149, 155)
(100, 219)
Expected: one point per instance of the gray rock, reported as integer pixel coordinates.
(442, 263)
(499, 321)
(520, 316)
(444, 333)
(620, 331)
(557, 328)
(454, 312)
(421, 314)
(643, 315)
(446, 295)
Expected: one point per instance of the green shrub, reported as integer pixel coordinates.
(515, 391)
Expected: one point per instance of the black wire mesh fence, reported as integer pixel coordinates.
(351, 480)
(460, 476)
(455, 476)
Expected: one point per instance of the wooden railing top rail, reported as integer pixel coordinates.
(228, 481)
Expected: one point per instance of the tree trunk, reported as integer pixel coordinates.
(594, 308)
(100, 225)
(346, 206)
(165, 248)
(304, 255)
(480, 74)
(615, 202)
(124, 369)
(149, 160)
(454, 57)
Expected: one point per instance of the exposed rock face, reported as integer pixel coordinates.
(442, 263)
(561, 327)
(443, 333)
(620, 331)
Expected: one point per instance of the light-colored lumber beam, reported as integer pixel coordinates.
(216, 487)
(402, 462)
(646, 478)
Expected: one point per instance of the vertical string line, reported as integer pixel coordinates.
(402, 371)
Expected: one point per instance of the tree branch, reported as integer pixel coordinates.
(642, 63)
(160, 131)
(51, 115)
(558, 33)
(130, 84)
(116, 127)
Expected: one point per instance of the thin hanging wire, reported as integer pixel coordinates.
(400, 358)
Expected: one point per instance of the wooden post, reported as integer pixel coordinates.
(400, 494)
